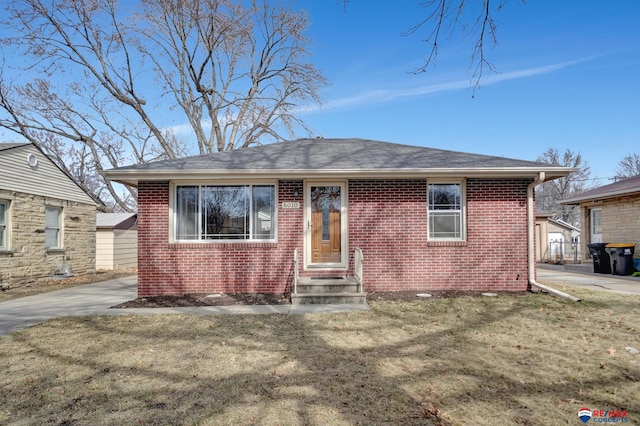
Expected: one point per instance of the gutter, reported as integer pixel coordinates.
(531, 224)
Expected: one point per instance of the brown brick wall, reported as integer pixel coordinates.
(387, 219)
(620, 222)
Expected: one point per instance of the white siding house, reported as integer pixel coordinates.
(116, 241)
(47, 221)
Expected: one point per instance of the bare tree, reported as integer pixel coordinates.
(629, 166)
(110, 82)
(549, 193)
(472, 20)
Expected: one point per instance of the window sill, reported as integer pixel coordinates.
(446, 243)
(54, 251)
(214, 245)
(7, 253)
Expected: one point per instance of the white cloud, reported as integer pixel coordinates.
(385, 95)
(180, 130)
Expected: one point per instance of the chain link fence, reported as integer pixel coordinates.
(562, 252)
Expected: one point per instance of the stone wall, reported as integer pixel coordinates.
(26, 259)
(621, 220)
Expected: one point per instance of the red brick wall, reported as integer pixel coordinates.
(173, 268)
(387, 220)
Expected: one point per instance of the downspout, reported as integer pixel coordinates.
(531, 225)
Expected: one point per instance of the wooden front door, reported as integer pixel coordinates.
(325, 223)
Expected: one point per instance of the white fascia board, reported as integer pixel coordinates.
(132, 177)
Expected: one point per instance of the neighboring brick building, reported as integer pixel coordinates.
(46, 220)
(425, 219)
(610, 214)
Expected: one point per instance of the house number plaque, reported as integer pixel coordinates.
(290, 205)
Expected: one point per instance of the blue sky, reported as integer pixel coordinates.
(569, 77)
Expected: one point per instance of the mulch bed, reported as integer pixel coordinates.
(208, 299)
(229, 299)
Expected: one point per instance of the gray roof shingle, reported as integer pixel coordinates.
(322, 155)
(111, 220)
(624, 187)
(334, 154)
(9, 145)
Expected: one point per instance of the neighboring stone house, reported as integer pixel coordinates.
(47, 222)
(116, 241)
(395, 217)
(610, 213)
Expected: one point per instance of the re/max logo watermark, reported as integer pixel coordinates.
(603, 416)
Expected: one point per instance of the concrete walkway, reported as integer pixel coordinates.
(583, 278)
(98, 298)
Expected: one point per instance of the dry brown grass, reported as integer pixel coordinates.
(523, 360)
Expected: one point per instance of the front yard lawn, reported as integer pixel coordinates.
(529, 360)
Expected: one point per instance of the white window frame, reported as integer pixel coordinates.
(461, 212)
(173, 211)
(593, 225)
(48, 227)
(4, 225)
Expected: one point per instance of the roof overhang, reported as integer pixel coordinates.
(600, 197)
(132, 177)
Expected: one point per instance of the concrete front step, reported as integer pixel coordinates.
(327, 291)
(327, 288)
(329, 299)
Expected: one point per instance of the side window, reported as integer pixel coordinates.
(4, 225)
(596, 221)
(445, 211)
(53, 227)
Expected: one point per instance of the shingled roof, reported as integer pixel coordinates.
(9, 145)
(618, 189)
(332, 157)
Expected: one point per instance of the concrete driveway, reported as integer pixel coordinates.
(97, 298)
(581, 277)
(88, 299)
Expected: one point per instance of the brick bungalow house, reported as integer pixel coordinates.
(397, 217)
(46, 220)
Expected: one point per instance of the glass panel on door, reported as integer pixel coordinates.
(326, 206)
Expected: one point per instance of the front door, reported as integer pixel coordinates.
(325, 223)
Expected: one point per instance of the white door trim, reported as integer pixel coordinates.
(344, 222)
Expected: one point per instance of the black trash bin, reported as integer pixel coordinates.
(621, 258)
(601, 260)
